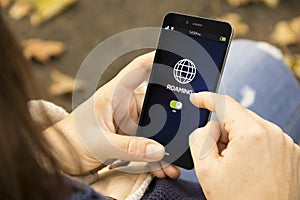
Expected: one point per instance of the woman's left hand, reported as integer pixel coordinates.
(116, 108)
(119, 104)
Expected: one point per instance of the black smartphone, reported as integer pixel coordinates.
(189, 58)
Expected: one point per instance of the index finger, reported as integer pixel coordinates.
(229, 111)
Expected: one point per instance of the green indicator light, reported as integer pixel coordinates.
(175, 104)
(223, 39)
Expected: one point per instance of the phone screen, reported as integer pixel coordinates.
(189, 58)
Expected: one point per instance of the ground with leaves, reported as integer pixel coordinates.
(71, 35)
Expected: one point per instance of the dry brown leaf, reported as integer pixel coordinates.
(283, 34)
(63, 84)
(4, 3)
(289, 60)
(238, 3)
(297, 71)
(295, 25)
(240, 27)
(42, 50)
(46, 9)
(296, 67)
(293, 62)
(272, 3)
(43, 9)
(287, 32)
(20, 9)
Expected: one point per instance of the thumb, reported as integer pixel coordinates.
(132, 148)
(204, 149)
(136, 72)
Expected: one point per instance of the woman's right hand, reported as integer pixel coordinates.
(243, 156)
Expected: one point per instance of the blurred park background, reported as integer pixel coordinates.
(57, 35)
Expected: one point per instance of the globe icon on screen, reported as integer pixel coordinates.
(184, 71)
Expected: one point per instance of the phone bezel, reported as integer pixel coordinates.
(197, 24)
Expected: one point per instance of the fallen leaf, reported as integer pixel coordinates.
(272, 3)
(295, 25)
(286, 32)
(63, 84)
(238, 3)
(20, 9)
(296, 67)
(43, 9)
(240, 27)
(289, 60)
(4, 3)
(46, 9)
(296, 71)
(283, 34)
(42, 50)
(293, 62)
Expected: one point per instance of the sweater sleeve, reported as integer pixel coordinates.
(45, 113)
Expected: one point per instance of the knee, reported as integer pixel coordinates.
(247, 55)
(246, 47)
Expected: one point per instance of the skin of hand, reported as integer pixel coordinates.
(117, 108)
(243, 156)
(121, 107)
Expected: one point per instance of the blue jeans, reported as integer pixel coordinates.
(256, 76)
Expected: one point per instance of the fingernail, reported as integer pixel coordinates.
(154, 151)
(193, 137)
(193, 97)
(208, 145)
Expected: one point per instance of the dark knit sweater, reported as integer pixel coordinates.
(159, 189)
(81, 191)
(169, 189)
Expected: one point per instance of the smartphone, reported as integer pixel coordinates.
(189, 58)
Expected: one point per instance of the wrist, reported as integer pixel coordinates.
(67, 148)
(298, 172)
(295, 187)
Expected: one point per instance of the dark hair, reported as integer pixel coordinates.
(22, 147)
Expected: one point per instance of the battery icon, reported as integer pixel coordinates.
(222, 39)
(175, 104)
